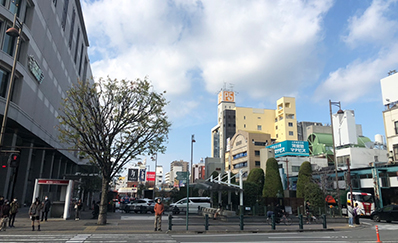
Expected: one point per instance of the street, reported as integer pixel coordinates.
(133, 227)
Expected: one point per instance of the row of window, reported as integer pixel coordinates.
(240, 165)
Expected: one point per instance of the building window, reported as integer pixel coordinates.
(77, 45)
(257, 163)
(291, 133)
(3, 82)
(290, 124)
(256, 152)
(295, 168)
(276, 119)
(72, 26)
(244, 117)
(55, 2)
(259, 127)
(8, 44)
(258, 117)
(276, 127)
(240, 155)
(15, 6)
(276, 135)
(289, 116)
(240, 165)
(244, 125)
(396, 127)
(64, 14)
(395, 149)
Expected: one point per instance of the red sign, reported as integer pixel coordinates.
(150, 176)
(52, 182)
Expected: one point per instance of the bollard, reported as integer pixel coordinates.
(170, 222)
(273, 221)
(377, 234)
(300, 221)
(206, 222)
(324, 221)
(241, 221)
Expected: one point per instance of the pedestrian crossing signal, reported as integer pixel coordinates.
(14, 160)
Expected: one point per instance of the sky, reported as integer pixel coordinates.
(312, 50)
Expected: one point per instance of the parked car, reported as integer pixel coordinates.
(194, 204)
(143, 205)
(388, 213)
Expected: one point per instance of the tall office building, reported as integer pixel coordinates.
(280, 124)
(52, 57)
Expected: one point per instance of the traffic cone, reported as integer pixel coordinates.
(377, 234)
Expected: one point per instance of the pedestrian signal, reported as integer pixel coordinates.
(13, 160)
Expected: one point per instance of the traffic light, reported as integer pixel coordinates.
(13, 160)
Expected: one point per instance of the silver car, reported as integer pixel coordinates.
(143, 205)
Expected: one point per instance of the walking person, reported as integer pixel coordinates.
(159, 208)
(46, 208)
(5, 208)
(78, 208)
(357, 213)
(350, 211)
(34, 213)
(13, 212)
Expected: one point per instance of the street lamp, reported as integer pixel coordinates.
(192, 141)
(13, 32)
(334, 148)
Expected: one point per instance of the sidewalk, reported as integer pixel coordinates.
(122, 223)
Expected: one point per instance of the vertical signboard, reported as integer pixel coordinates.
(150, 176)
(132, 175)
(142, 176)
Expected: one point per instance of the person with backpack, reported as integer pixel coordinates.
(357, 213)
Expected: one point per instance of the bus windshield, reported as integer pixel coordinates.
(364, 198)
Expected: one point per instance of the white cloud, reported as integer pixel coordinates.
(372, 26)
(361, 77)
(265, 48)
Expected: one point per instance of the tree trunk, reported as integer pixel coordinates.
(104, 202)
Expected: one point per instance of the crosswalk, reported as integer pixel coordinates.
(387, 226)
(86, 238)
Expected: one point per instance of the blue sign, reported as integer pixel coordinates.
(292, 148)
(142, 174)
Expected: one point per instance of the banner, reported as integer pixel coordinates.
(150, 176)
(142, 175)
(132, 175)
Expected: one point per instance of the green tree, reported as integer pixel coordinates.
(304, 177)
(272, 182)
(314, 194)
(256, 176)
(113, 122)
(250, 192)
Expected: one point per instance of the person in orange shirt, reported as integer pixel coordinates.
(159, 208)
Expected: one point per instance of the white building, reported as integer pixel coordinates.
(389, 87)
(159, 176)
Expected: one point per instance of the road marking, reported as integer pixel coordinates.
(90, 229)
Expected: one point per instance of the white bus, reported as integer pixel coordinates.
(365, 201)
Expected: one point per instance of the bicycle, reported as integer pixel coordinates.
(311, 219)
(280, 220)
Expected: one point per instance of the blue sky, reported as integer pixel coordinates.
(311, 50)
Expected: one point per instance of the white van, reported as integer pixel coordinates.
(194, 204)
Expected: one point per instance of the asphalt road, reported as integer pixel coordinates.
(138, 228)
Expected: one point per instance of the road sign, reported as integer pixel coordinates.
(182, 175)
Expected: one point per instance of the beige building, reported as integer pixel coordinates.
(247, 151)
(280, 124)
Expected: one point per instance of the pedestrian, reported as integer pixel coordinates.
(1, 205)
(34, 213)
(46, 208)
(78, 208)
(13, 212)
(159, 208)
(357, 213)
(350, 211)
(5, 208)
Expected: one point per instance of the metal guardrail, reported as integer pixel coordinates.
(242, 220)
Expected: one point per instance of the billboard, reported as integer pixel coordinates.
(142, 175)
(150, 176)
(292, 148)
(132, 175)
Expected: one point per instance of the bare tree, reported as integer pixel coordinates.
(112, 122)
